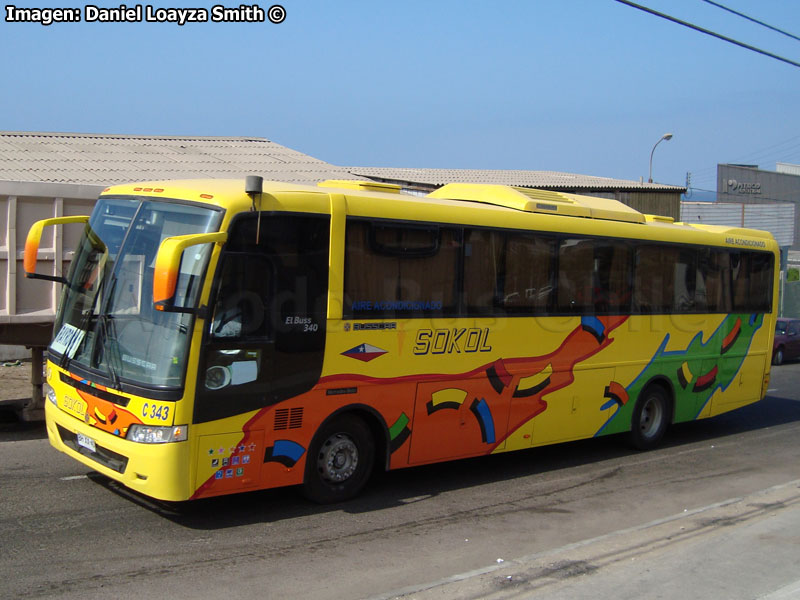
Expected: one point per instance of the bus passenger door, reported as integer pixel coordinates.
(265, 339)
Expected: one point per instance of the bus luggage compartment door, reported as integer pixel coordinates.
(454, 419)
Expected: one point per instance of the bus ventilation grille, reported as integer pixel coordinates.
(288, 418)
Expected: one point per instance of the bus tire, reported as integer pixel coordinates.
(340, 460)
(650, 418)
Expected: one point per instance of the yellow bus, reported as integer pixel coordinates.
(220, 336)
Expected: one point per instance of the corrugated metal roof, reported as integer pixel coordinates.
(108, 159)
(534, 179)
(103, 159)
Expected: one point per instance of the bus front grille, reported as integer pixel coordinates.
(104, 456)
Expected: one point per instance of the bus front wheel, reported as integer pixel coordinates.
(339, 460)
(650, 419)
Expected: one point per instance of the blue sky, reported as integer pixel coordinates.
(583, 86)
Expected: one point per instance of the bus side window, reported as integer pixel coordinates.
(752, 274)
(528, 275)
(398, 269)
(483, 256)
(664, 280)
(612, 277)
(594, 276)
(685, 298)
(714, 269)
(575, 270)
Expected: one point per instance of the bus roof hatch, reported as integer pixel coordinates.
(540, 201)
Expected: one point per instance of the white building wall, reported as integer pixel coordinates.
(777, 217)
(787, 168)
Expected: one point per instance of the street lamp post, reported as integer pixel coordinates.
(666, 136)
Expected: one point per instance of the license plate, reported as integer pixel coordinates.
(87, 442)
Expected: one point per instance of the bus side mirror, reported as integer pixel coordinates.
(168, 263)
(32, 245)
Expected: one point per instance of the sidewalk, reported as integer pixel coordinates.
(742, 548)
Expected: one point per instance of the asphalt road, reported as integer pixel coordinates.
(713, 513)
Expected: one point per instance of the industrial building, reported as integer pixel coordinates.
(747, 184)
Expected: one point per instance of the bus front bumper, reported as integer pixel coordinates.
(160, 471)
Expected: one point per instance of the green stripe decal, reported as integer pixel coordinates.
(399, 426)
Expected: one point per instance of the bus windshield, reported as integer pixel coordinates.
(106, 322)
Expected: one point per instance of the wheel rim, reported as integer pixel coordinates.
(651, 417)
(338, 458)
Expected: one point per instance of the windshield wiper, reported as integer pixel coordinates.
(108, 330)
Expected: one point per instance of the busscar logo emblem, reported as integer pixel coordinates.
(365, 352)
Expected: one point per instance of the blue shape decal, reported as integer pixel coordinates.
(480, 408)
(285, 452)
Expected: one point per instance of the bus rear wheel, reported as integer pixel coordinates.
(339, 461)
(650, 419)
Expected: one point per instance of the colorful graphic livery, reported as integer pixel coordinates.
(214, 337)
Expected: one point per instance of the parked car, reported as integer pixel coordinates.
(787, 341)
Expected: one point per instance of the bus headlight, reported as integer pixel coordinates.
(151, 434)
(50, 394)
